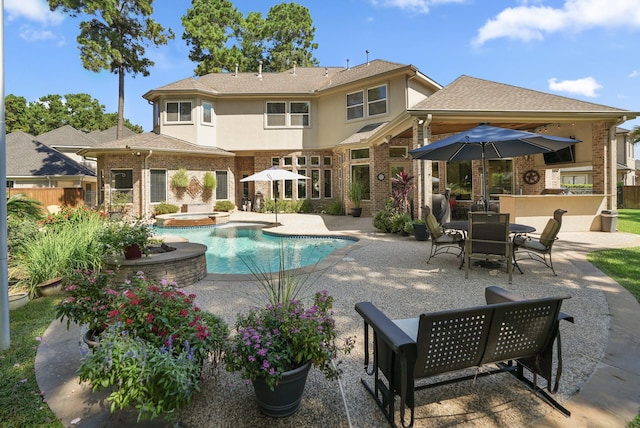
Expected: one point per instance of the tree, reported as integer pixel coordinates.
(221, 39)
(115, 38)
(53, 111)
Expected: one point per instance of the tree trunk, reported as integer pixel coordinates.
(120, 128)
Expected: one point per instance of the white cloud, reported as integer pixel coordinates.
(29, 34)
(34, 10)
(418, 6)
(633, 74)
(587, 86)
(533, 22)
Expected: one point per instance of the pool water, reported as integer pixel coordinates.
(229, 244)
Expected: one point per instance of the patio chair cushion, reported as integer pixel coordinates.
(549, 233)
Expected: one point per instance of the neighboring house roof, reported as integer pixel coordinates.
(110, 134)
(28, 157)
(299, 80)
(155, 142)
(67, 136)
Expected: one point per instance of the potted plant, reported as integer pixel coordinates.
(274, 346)
(152, 353)
(420, 230)
(132, 239)
(89, 297)
(355, 193)
(180, 180)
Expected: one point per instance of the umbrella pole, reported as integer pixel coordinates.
(484, 180)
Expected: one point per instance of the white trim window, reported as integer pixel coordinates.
(376, 102)
(282, 114)
(178, 111)
(207, 113)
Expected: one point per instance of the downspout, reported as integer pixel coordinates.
(145, 207)
(612, 198)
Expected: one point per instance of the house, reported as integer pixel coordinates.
(32, 164)
(335, 125)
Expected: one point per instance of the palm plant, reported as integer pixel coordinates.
(20, 205)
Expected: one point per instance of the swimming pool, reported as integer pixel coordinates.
(229, 244)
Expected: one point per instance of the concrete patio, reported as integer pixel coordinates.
(600, 351)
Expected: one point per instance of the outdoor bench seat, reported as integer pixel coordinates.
(511, 332)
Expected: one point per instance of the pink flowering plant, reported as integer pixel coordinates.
(90, 295)
(155, 344)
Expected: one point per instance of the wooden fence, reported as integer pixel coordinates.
(631, 197)
(71, 196)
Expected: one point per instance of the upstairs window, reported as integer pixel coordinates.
(374, 98)
(355, 105)
(207, 113)
(179, 111)
(280, 114)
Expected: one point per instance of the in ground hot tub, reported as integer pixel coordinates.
(192, 219)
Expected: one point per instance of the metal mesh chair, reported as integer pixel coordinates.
(539, 249)
(488, 240)
(442, 242)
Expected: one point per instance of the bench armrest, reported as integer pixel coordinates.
(386, 330)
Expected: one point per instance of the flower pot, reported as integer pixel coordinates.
(420, 231)
(356, 212)
(51, 287)
(132, 252)
(18, 300)
(285, 399)
(92, 337)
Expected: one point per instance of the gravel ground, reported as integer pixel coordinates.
(391, 272)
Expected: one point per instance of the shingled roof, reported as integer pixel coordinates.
(28, 157)
(472, 94)
(66, 136)
(156, 142)
(299, 80)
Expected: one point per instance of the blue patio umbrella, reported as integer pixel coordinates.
(490, 142)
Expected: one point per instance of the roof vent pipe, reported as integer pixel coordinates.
(236, 74)
(260, 69)
(326, 72)
(294, 67)
(367, 52)
(347, 63)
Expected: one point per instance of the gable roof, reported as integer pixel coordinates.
(472, 94)
(295, 81)
(66, 136)
(155, 142)
(28, 157)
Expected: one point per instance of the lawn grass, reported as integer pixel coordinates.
(623, 265)
(21, 401)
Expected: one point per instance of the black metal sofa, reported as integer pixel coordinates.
(515, 333)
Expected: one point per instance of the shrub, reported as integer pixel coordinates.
(382, 219)
(335, 208)
(209, 181)
(180, 179)
(398, 222)
(306, 206)
(224, 206)
(165, 208)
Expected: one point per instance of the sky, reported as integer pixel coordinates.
(582, 49)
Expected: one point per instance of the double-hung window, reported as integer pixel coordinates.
(374, 98)
(207, 113)
(282, 114)
(179, 111)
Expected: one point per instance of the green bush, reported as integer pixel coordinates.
(209, 181)
(382, 218)
(224, 206)
(335, 208)
(165, 208)
(180, 179)
(306, 206)
(399, 222)
(19, 231)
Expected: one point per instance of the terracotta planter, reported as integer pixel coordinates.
(285, 399)
(51, 287)
(132, 252)
(18, 300)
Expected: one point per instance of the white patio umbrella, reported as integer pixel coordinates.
(274, 174)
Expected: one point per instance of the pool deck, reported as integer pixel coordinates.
(601, 350)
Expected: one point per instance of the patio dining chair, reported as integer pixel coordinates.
(488, 240)
(441, 241)
(539, 249)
